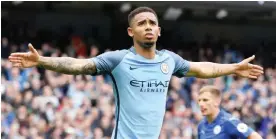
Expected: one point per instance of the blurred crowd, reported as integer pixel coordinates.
(38, 103)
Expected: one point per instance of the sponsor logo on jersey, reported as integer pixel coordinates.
(152, 85)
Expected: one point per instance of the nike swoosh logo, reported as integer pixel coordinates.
(133, 68)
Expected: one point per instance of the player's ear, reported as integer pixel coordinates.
(130, 31)
(218, 102)
(159, 34)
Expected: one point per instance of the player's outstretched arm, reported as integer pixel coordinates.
(254, 135)
(66, 65)
(212, 70)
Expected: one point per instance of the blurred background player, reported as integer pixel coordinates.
(217, 123)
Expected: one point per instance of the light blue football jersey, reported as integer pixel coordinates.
(225, 126)
(140, 89)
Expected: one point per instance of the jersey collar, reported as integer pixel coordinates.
(217, 119)
(132, 49)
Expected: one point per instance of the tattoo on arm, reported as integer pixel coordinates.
(89, 68)
(216, 71)
(68, 65)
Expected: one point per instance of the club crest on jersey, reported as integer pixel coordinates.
(242, 127)
(165, 68)
(217, 129)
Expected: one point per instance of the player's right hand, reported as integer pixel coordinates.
(25, 60)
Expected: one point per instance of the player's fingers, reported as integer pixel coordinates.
(15, 58)
(17, 65)
(258, 67)
(250, 65)
(19, 54)
(249, 59)
(15, 61)
(252, 76)
(31, 48)
(258, 71)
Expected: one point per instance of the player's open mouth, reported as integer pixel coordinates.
(203, 110)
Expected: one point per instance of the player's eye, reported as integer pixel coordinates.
(141, 23)
(152, 23)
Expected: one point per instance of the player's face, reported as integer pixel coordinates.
(207, 103)
(144, 29)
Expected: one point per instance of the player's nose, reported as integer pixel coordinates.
(200, 104)
(148, 27)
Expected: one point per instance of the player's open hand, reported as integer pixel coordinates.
(247, 70)
(25, 60)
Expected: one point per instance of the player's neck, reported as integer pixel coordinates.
(148, 53)
(213, 116)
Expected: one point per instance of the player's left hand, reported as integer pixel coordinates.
(247, 70)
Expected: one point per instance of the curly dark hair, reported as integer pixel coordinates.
(140, 10)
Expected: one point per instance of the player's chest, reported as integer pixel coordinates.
(216, 132)
(147, 71)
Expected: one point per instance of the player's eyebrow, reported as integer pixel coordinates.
(153, 21)
(144, 20)
(141, 22)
